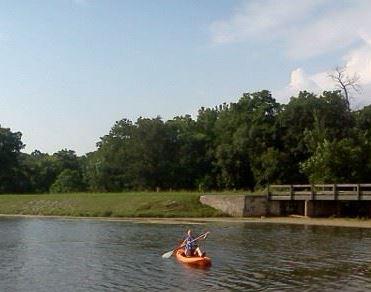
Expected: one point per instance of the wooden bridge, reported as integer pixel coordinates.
(321, 199)
(317, 192)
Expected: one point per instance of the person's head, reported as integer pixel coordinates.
(189, 232)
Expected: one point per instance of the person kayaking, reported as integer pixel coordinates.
(190, 246)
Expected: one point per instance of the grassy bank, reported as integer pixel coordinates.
(169, 204)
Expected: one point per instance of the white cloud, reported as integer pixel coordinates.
(260, 19)
(308, 28)
(357, 61)
(365, 36)
(334, 30)
(300, 81)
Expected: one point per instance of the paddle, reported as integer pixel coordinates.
(168, 254)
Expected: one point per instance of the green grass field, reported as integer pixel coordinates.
(136, 204)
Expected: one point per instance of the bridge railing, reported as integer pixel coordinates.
(320, 192)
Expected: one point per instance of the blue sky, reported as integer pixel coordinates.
(70, 68)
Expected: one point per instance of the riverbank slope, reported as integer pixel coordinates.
(135, 204)
(163, 207)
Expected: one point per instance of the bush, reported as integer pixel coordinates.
(68, 181)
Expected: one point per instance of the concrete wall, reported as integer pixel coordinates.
(291, 207)
(274, 208)
(258, 205)
(355, 208)
(242, 205)
(321, 208)
(233, 205)
(255, 206)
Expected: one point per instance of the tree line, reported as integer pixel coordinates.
(241, 145)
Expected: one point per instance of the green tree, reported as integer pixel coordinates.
(304, 123)
(68, 181)
(205, 137)
(244, 132)
(134, 156)
(41, 170)
(335, 162)
(109, 168)
(66, 159)
(10, 147)
(188, 162)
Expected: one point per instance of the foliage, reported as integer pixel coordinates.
(245, 144)
(335, 162)
(68, 181)
(10, 147)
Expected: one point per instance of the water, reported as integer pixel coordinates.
(89, 255)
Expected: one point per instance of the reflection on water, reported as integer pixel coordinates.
(88, 255)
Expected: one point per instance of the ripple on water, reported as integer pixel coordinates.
(68, 255)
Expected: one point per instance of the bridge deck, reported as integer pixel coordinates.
(324, 192)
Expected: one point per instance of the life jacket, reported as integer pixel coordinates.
(189, 245)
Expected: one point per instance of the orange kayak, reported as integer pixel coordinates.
(194, 260)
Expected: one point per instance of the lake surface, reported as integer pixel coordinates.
(91, 255)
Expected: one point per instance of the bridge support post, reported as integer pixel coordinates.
(308, 208)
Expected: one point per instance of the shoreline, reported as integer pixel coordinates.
(333, 222)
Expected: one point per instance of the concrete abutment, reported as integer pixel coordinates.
(259, 205)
